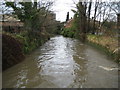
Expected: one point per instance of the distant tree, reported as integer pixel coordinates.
(67, 18)
(29, 13)
(33, 14)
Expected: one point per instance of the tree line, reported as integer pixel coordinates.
(36, 15)
(94, 17)
(39, 24)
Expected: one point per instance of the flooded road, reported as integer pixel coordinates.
(63, 63)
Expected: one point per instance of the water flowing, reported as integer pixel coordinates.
(63, 63)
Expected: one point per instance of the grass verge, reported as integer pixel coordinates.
(106, 44)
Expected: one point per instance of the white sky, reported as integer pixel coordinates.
(61, 7)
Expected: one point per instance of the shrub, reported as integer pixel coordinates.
(68, 32)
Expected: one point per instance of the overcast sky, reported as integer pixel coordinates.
(61, 7)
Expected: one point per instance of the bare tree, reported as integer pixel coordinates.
(94, 19)
(89, 12)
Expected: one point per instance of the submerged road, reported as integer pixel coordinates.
(63, 63)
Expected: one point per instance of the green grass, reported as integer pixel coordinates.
(104, 44)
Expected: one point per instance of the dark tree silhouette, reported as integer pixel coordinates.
(67, 18)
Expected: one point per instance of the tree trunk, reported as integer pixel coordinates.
(118, 26)
(96, 6)
(82, 15)
(89, 11)
(35, 4)
(118, 21)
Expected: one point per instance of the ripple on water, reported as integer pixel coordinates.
(63, 62)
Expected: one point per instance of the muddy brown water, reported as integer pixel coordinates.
(63, 63)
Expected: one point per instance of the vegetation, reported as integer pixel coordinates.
(68, 32)
(101, 29)
(39, 25)
(107, 44)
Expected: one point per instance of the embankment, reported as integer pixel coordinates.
(16, 46)
(11, 51)
(106, 44)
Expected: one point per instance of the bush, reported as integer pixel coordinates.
(68, 32)
(16, 45)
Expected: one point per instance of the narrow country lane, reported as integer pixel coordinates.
(63, 63)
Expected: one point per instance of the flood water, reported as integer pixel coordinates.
(63, 63)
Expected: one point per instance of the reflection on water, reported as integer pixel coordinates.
(60, 63)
